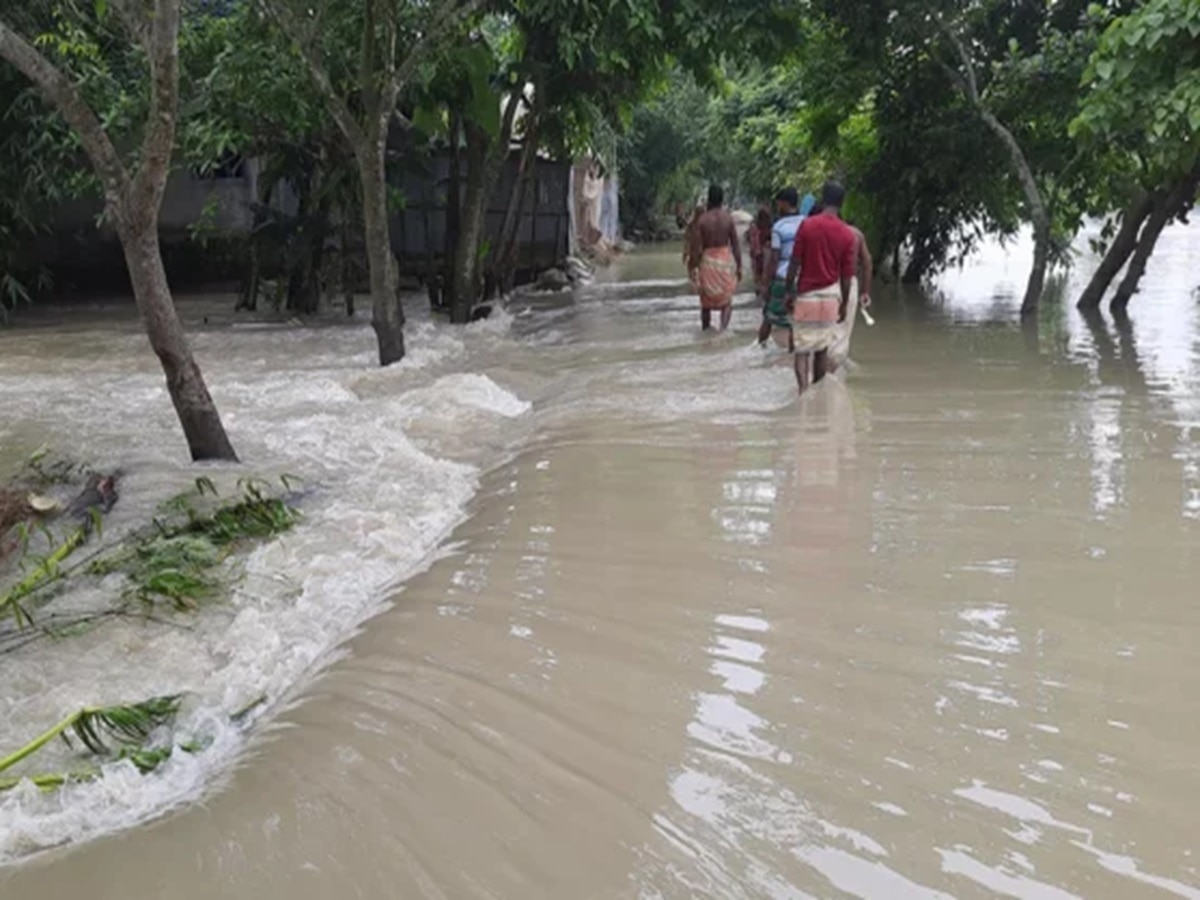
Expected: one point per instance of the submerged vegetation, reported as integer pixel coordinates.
(177, 561)
(176, 558)
(120, 732)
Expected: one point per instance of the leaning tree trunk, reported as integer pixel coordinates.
(1118, 253)
(387, 315)
(1166, 207)
(197, 413)
(1038, 215)
(1037, 211)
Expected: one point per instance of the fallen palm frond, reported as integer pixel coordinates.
(45, 572)
(126, 726)
(175, 558)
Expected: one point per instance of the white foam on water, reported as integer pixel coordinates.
(379, 507)
(391, 457)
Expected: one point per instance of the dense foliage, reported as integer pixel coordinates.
(908, 102)
(1101, 101)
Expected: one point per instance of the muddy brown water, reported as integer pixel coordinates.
(928, 632)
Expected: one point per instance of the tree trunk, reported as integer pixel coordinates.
(306, 244)
(387, 315)
(346, 248)
(261, 226)
(1037, 274)
(1118, 253)
(248, 298)
(486, 155)
(197, 413)
(470, 229)
(1166, 207)
(1037, 210)
(507, 258)
(453, 212)
(509, 231)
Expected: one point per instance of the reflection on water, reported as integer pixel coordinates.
(924, 633)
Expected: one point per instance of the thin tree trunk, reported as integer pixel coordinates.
(347, 261)
(197, 413)
(920, 261)
(506, 262)
(248, 299)
(453, 210)
(507, 265)
(511, 227)
(1165, 209)
(260, 226)
(470, 229)
(1118, 253)
(387, 315)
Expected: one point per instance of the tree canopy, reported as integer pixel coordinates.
(906, 102)
(948, 122)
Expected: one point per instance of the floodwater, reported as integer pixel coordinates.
(666, 631)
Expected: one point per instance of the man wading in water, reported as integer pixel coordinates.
(779, 256)
(720, 260)
(825, 256)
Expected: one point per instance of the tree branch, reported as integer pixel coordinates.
(967, 79)
(444, 19)
(337, 107)
(57, 90)
(966, 82)
(159, 139)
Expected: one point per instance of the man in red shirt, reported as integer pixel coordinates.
(825, 256)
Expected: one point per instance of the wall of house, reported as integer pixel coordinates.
(419, 230)
(86, 253)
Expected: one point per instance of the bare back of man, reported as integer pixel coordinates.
(717, 229)
(720, 260)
